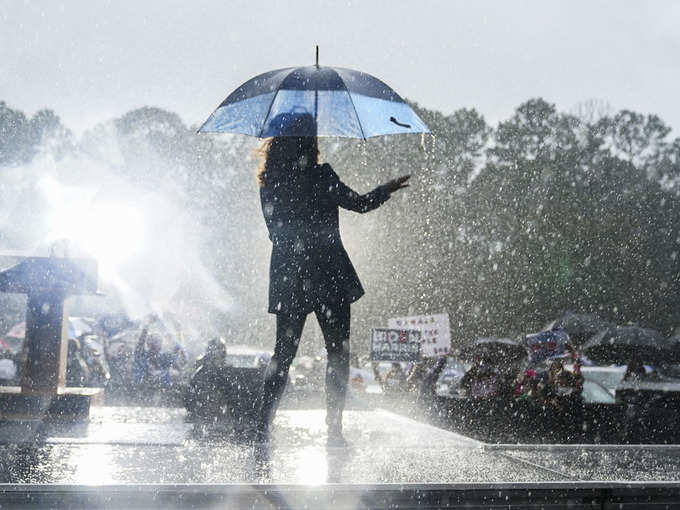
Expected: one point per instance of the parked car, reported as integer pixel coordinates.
(244, 356)
(608, 377)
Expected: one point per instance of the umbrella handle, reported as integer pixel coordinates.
(392, 119)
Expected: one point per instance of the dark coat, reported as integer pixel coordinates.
(309, 265)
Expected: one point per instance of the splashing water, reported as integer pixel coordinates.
(146, 246)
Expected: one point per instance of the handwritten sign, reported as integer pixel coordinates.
(435, 335)
(395, 345)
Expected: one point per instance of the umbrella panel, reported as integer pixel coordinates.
(376, 117)
(620, 345)
(344, 103)
(338, 113)
(246, 117)
(580, 326)
(622, 354)
(332, 110)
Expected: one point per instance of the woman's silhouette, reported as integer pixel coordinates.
(309, 270)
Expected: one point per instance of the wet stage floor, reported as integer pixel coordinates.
(157, 446)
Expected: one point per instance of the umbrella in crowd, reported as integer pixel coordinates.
(494, 349)
(619, 345)
(579, 326)
(343, 102)
(14, 338)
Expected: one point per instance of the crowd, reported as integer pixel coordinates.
(145, 363)
(532, 388)
(420, 379)
(543, 390)
(131, 359)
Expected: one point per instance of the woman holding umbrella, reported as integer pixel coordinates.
(310, 270)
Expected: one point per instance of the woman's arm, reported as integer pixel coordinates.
(350, 199)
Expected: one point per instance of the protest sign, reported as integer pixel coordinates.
(547, 345)
(435, 335)
(395, 345)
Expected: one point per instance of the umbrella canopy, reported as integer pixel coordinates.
(494, 349)
(580, 326)
(343, 103)
(619, 345)
(77, 326)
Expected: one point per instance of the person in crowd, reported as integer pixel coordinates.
(426, 386)
(120, 356)
(153, 367)
(527, 385)
(8, 371)
(577, 362)
(205, 394)
(635, 370)
(97, 365)
(417, 373)
(310, 270)
(555, 369)
(637, 409)
(77, 371)
(357, 381)
(394, 381)
(486, 379)
(563, 395)
(9, 365)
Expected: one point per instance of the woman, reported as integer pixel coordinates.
(309, 270)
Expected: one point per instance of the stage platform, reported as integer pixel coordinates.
(151, 457)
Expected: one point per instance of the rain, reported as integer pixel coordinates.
(175, 325)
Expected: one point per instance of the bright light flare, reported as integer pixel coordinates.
(106, 229)
(110, 232)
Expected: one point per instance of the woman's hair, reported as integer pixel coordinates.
(281, 155)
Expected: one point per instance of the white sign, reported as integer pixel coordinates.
(395, 344)
(435, 335)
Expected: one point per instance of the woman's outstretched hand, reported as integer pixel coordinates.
(397, 184)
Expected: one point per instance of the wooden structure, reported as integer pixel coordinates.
(48, 282)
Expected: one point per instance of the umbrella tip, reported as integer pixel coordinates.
(317, 55)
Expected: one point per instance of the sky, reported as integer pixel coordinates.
(91, 60)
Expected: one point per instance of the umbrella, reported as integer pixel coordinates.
(494, 349)
(619, 345)
(343, 103)
(76, 327)
(579, 326)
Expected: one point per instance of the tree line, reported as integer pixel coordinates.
(504, 227)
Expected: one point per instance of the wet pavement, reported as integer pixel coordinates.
(126, 445)
(641, 463)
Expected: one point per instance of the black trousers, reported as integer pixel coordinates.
(334, 324)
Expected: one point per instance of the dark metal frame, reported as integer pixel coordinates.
(600, 495)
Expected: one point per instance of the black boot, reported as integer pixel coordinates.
(260, 433)
(335, 439)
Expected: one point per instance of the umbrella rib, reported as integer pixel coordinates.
(276, 93)
(363, 136)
